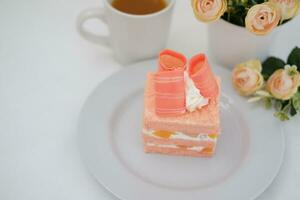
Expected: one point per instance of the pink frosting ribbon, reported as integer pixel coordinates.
(169, 84)
(169, 81)
(203, 77)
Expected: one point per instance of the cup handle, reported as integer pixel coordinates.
(97, 13)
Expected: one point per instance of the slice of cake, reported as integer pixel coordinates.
(179, 119)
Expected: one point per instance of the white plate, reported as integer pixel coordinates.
(248, 156)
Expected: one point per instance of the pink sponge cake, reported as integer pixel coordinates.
(192, 131)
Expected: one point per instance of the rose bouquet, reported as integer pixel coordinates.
(274, 82)
(258, 16)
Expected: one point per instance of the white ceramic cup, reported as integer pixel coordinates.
(131, 37)
(231, 44)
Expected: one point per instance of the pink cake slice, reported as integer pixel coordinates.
(191, 134)
(203, 121)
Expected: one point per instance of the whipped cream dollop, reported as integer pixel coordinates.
(193, 99)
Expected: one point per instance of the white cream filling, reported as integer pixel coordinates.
(179, 135)
(194, 148)
(193, 99)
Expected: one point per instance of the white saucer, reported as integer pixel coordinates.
(248, 157)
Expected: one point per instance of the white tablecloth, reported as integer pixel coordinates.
(47, 71)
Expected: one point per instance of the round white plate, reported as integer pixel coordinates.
(249, 153)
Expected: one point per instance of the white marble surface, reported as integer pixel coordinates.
(46, 72)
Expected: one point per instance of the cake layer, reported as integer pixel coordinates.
(173, 150)
(177, 138)
(204, 121)
(179, 142)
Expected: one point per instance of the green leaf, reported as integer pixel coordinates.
(271, 65)
(284, 21)
(268, 103)
(278, 105)
(263, 93)
(296, 101)
(281, 116)
(254, 99)
(293, 111)
(294, 57)
(286, 105)
(284, 102)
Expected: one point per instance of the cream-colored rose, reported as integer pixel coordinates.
(284, 83)
(209, 10)
(288, 8)
(262, 18)
(247, 78)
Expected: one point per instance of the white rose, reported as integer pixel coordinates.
(262, 18)
(209, 10)
(284, 83)
(247, 78)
